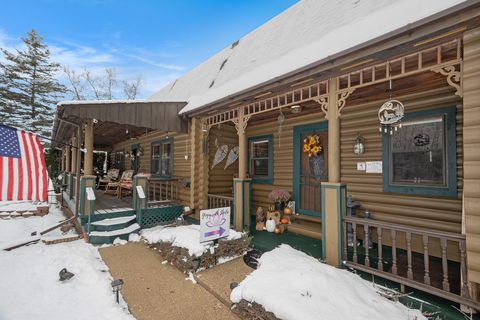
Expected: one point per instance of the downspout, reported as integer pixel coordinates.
(79, 161)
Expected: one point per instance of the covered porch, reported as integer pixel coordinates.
(84, 127)
(422, 232)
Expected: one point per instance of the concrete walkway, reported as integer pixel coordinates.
(159, 291)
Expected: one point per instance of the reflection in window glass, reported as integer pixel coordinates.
(259, 160)
(418, 152)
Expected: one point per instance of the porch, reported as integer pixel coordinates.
(131, 200)
(415, 237)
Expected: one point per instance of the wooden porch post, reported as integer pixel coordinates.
(88, 161)
(333, 133)
(62, 160)
(333, 192)
(68, 161)
(242, 185)
(73, 166)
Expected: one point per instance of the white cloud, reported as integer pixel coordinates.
(129, 62)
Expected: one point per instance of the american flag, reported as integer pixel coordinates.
(23, 174)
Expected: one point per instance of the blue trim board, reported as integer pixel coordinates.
(450, 190)
(297, 133)
(269, 179)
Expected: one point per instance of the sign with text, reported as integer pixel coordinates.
(214, 223)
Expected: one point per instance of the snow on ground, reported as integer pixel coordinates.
(19, 206)
(187, 237)
(29, 280)
(294, 286)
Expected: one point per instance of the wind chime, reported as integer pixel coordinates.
(391, 112)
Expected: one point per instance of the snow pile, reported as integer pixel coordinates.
(187, 237)
(29, 277)
(294, 286)
(13, 229)
(20, 205)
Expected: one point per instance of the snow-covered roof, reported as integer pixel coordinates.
(69, 102)
(307, 32)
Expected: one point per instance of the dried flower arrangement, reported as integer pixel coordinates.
(279, 195)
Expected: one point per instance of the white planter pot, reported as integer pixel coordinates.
(270, 225)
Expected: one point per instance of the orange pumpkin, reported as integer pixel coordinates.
(287, 211)
(277, 230)
(284, 221)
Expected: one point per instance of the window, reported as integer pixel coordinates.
(162, 158)
(420, 158)
(119, 160)
(261, 159)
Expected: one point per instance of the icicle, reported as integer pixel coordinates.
(380, 128)
(396, 128)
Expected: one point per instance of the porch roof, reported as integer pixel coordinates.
(117, 120)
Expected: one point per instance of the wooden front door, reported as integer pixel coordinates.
(309, 171)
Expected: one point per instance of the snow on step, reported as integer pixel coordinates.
(112, 210)
(118, 232)
(114, 221)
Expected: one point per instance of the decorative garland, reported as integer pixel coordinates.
(312, 145)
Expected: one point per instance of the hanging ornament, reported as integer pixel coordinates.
(280, 120)
(220, 154)
(391, 112)
(232, 157)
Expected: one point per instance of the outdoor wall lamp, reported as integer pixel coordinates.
(296, 108)
(359, 145)
(116, 287)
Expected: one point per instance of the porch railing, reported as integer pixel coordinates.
(162, 191)
(218, 201)
(400, 263)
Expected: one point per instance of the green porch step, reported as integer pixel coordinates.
(111, 224)
(105, 237)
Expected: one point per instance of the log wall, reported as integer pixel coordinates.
(471, 132)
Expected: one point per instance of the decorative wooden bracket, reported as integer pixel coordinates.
(241, 124)
(454, 76)
(341, 99)
(323, 102)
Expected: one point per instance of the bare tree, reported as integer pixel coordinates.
(131, 89)
(110, 82)
(76, 84)
(94, 82)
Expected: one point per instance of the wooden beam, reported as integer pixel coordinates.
(88, 161)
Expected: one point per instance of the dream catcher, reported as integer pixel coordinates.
(391, 113)
(221, 152)
(232, 157)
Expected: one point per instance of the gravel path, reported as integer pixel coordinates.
(159, 291)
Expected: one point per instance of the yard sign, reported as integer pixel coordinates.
(214, 223)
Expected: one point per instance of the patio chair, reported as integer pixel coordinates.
(125, 183)
(111, 176)
(112, 187)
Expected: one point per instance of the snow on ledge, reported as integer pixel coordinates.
(295, 286)
(187, 237)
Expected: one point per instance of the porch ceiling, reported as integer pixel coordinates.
(117, 121)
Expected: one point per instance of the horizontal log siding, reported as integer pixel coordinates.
(471, 132)
(282, 154)
(439, 213)
(181, 167)
(220, 180)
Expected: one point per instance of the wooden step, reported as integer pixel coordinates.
(306, 228)
(304, 217)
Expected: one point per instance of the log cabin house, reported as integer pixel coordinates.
(319, 69)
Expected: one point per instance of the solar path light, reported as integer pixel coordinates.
(116, 287)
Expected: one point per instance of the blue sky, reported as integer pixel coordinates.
(159, 40)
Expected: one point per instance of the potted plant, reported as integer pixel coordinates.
(279, 197)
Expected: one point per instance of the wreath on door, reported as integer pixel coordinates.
(312, 146)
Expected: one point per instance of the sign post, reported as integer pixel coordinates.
(214, 223)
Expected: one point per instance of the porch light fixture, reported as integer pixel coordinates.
(359, 145)
(116, 287)
(296, 108)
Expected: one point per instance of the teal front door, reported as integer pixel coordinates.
(310, 169)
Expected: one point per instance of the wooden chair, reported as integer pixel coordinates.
(125, 183)
(111, 176)
(112, 187)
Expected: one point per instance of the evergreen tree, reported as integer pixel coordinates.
(28, 86)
